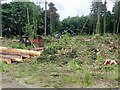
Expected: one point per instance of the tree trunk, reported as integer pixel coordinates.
(104, 18)
(13, 58)
(104, 25)
(118, 26)
(114, 27)
(98, 21)
(20, 51)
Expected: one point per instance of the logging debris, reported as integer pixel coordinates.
(10, 55)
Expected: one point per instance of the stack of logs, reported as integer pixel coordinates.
(10, 55)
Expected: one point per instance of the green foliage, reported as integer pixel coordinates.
(4, 67)
(29, 30)
(18, 16)
(51, 50)
(75, 65)
(19, 46)
(65, 39)
(72, 53)
(110, 68)
(116, 11)
(86, 80)
(29, 18)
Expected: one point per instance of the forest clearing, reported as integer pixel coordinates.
(40, 50)
(69, 62)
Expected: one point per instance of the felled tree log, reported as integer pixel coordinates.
(14, 54)
(6, 60)
(9, 55)
(13, 58)
(20, 51)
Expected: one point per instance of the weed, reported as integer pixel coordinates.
(86, 80)
(21, 73)
(50, 50)
(69, 79)
(19, 46)
(72, 53)
(74, 65)
(4, 67)
(30, 80)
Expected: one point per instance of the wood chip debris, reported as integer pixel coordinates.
(109, 62)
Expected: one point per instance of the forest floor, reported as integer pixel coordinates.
(74, 62)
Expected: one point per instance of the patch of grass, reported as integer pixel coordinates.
(75, 65)
(69, 79)
(4, 67)
(86, 79)
(18, 45)
(21, 73)
(30, 80)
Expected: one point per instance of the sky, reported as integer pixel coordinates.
(75, 7)
(72, 8)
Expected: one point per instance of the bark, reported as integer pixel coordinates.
(13, 54)
(20, 51)
(13, 58)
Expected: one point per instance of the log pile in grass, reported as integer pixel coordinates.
(10, 55)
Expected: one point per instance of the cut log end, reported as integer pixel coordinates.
(10, 55)
(6, 60)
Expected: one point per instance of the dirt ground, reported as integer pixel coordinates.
(9, 82)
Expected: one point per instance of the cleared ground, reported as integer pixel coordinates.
(67, 62)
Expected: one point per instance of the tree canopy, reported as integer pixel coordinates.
(19, 18)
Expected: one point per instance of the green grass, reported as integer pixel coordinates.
(69, 61)
(4, 67)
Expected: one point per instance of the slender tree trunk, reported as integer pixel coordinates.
(118, 26)
(98, 21)
(0, 20)
(45, 31)
(104, 25)
(27, 16)
(84, 25)
(114, 27)
(34, 23)
(51, 29)
(104, 30)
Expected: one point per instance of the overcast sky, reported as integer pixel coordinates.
(73, 7)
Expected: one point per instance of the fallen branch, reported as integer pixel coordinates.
(93, 38)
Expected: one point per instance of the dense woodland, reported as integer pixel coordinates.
(19, 18)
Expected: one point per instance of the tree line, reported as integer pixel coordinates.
(20, 18)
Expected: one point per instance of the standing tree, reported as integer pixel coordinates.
(97, 11)
(105, 9)
(98, 28)
(21, 18)
(54, 17)
(116, 11)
